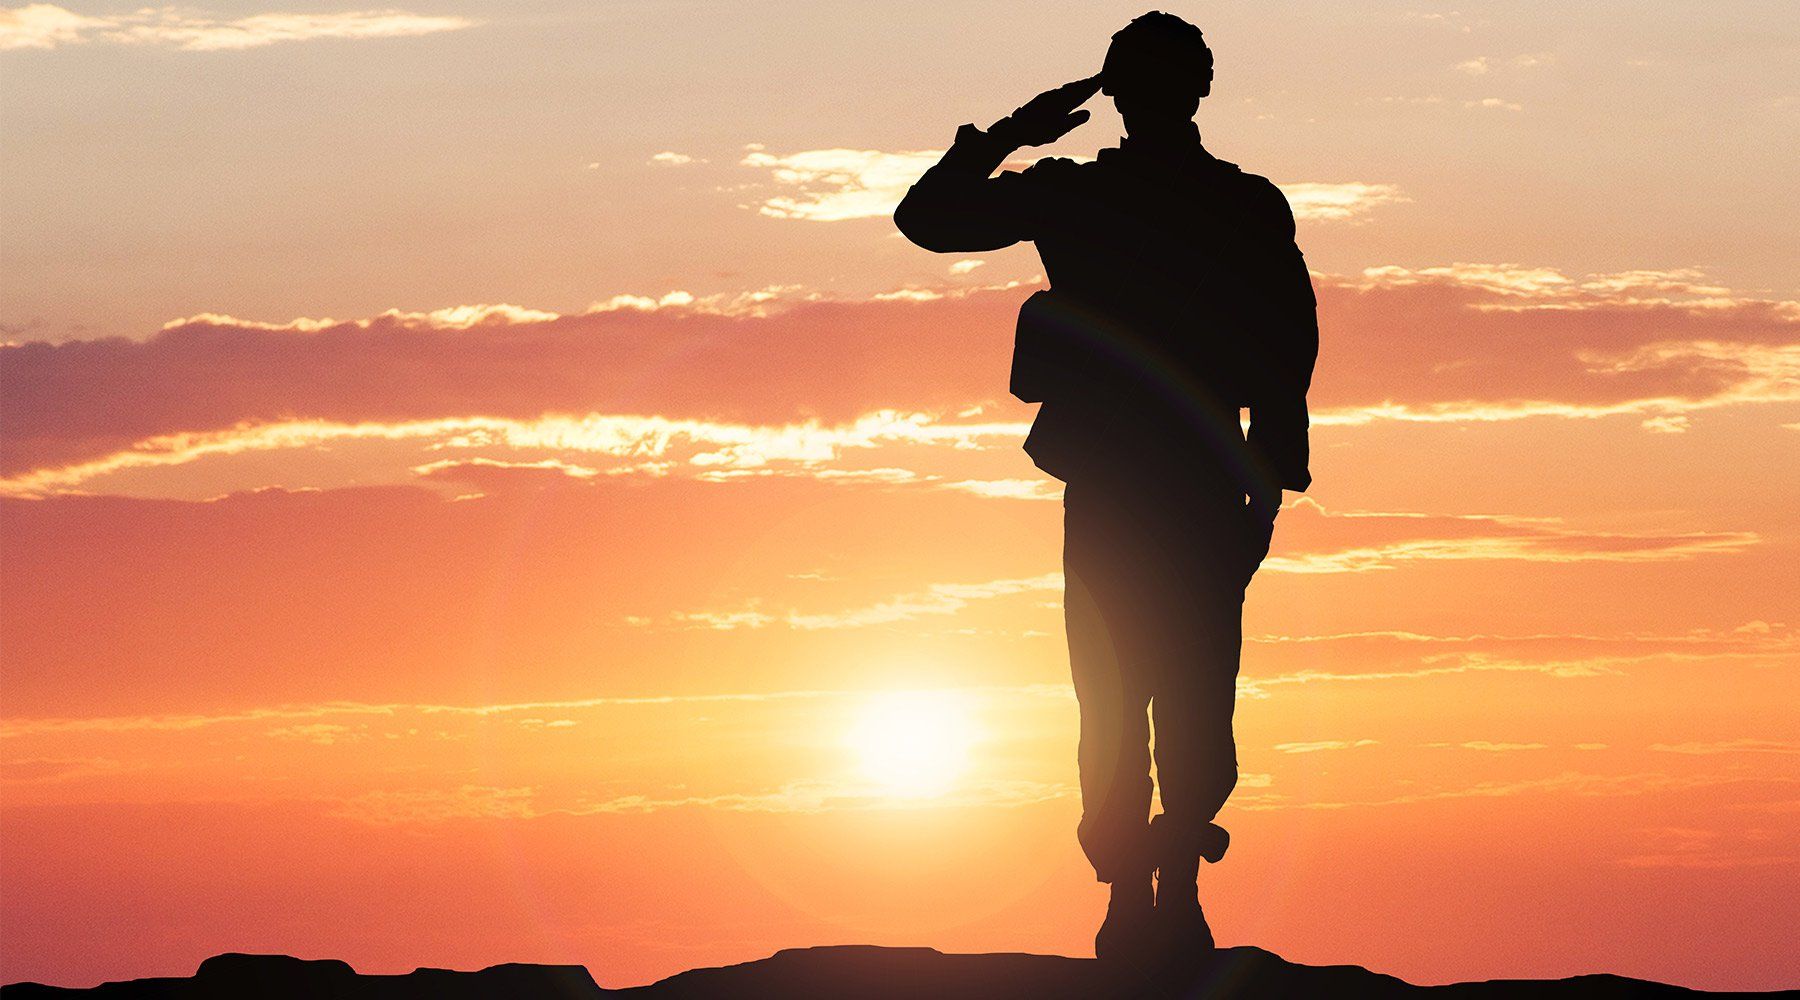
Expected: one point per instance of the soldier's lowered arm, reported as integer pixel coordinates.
(1279, 421)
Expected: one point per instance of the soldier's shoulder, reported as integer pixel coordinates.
(1255, 185)
(1261, 193)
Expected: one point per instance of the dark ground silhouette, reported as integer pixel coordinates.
(1177, 297)
(852, 971)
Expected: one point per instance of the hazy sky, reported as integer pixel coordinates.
(487, 483)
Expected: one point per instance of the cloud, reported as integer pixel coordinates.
(673, 159)
(53, 769)
(1475, 663)
(1753, 635)
(1708, 861)
(43, 26)
(1570, 783)
(1459, 343)
(1316, 540)
(1318, 745)
(448, 318)
(320, 733)
(491, 474)
(1337, 202)
(1501, 279)
(399, 714)
(759, 302)
(1496, 103)
(16, 728)
(834, 185)
(478, 802)
(965, 266)
(1404, 656)
(714, 450)
(937, 599)
(1710, 850)
(1783, 747)
(47, 26)
(1014, 489)
(409, 806)
(1467, 343)
(1520, 287)
(1482, 65)
(211, 380)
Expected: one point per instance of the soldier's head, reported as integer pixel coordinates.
(1157, 69)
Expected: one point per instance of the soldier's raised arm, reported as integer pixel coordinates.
(959, 207)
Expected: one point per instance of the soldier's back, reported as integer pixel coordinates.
(1151, 253)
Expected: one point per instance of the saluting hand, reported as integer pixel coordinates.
(1050, 115)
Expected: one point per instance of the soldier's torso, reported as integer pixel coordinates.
(1156, 253)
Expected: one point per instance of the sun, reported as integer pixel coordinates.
(913, 744)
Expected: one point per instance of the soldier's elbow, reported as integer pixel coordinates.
(914, 221)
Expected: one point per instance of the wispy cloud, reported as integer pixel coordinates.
(47, 26)
(1260, 687)
(1571, 547)
(432, 805)
(833, 185)
(428, 806)
(651, 444)
(1454, 344)
(395, 712)
(1325, 541)
(1569, 783)
(937, 599)
(1784, 747)
(462, 317)
(1014, 489)
(1318, 745)
(1318, 202)
(1655, 344)
(1711, 850)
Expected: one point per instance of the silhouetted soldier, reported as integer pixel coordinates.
(1177, 297)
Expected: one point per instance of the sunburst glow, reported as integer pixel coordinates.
(913, 744)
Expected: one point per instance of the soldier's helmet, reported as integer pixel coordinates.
(1158, 57)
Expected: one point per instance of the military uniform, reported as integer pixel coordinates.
(1177, 296)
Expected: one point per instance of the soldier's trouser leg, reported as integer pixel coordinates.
(1214, 550)
(1195, 693)
(1113, 695)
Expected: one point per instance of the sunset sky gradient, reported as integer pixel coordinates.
(478, 482)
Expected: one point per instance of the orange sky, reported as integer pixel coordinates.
(488, 484)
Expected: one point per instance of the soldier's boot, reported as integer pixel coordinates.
(1181, 929)
(1129, 931)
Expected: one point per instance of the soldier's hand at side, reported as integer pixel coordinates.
(1265, 506)
(1050, 115)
